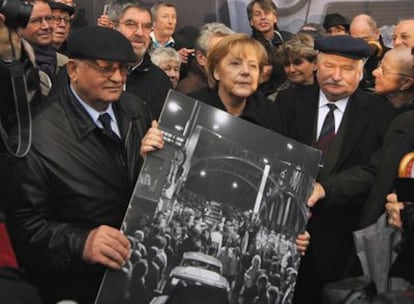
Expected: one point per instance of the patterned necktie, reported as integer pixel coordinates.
(328, 130)
(105, 119)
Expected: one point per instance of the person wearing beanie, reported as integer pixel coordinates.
(336, 24)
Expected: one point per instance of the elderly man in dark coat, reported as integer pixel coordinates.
(66, 199)
(348, 125)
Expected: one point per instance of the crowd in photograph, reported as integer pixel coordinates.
(86, 100)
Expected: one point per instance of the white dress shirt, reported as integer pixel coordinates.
(323, 110)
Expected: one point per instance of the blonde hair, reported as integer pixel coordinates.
(238, 44)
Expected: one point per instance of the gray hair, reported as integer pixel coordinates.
(117, 10)
(210, 30)
(164, 54)
(404, 59)
(157, 6)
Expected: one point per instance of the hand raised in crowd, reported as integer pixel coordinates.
(107, 246)
(104, 20)
(6, 50)
(184, 53)
(153, 140)
(302, 242)
(317, 194)
(393, 208)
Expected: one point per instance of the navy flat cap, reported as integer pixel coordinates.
(335, 19)
(62, 6)
(344, 45)
(100, 42)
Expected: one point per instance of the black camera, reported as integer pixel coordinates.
(17, 12)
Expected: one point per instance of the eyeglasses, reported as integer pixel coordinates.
(109, 69)
(384, 71)
(133, 26)
(37, 21)
(59, 19)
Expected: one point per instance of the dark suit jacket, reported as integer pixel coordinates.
(361, 133)
(399, 140)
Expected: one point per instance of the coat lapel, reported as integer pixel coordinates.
(307, 111)
(354, 123)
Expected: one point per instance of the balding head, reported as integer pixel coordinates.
(365, 27)
(404, 33)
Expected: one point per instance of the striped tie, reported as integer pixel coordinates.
(328, 130)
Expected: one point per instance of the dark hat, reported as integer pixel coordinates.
(100, 42)
(62, 6)
(335, 19)
(344, 45)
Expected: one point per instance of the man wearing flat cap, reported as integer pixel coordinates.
(348, 125)
(66, 199)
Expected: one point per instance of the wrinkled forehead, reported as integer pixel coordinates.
(170, 62)
(405, 26)
(136, 14)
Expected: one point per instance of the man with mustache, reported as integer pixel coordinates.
(66, 199)
(145, 79)
(348, 125)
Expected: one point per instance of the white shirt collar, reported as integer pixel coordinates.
(157, 44)
(340, 104)
(95, 114)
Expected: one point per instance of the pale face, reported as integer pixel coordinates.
(336, 30)
(300, 71)
(39, 28)
(404, 34)
(60, 26)
(135, 25)
(262, 21)
(387, 78)
(92, 86)
(172, 69)
(237, 77)
(166, 20)
(338, 76)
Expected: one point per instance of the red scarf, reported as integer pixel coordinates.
(7, 257)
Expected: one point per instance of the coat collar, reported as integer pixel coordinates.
(81, 121)
(355, 118)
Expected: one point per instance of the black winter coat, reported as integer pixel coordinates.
(73, 180)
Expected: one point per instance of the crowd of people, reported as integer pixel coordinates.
(96, 94)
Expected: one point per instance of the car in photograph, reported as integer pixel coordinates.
(187, 284)
(202, 260)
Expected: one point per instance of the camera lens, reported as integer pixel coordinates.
(17, 13)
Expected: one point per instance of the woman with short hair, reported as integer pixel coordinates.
(168, 60)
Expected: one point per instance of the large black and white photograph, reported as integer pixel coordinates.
(215, 213)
